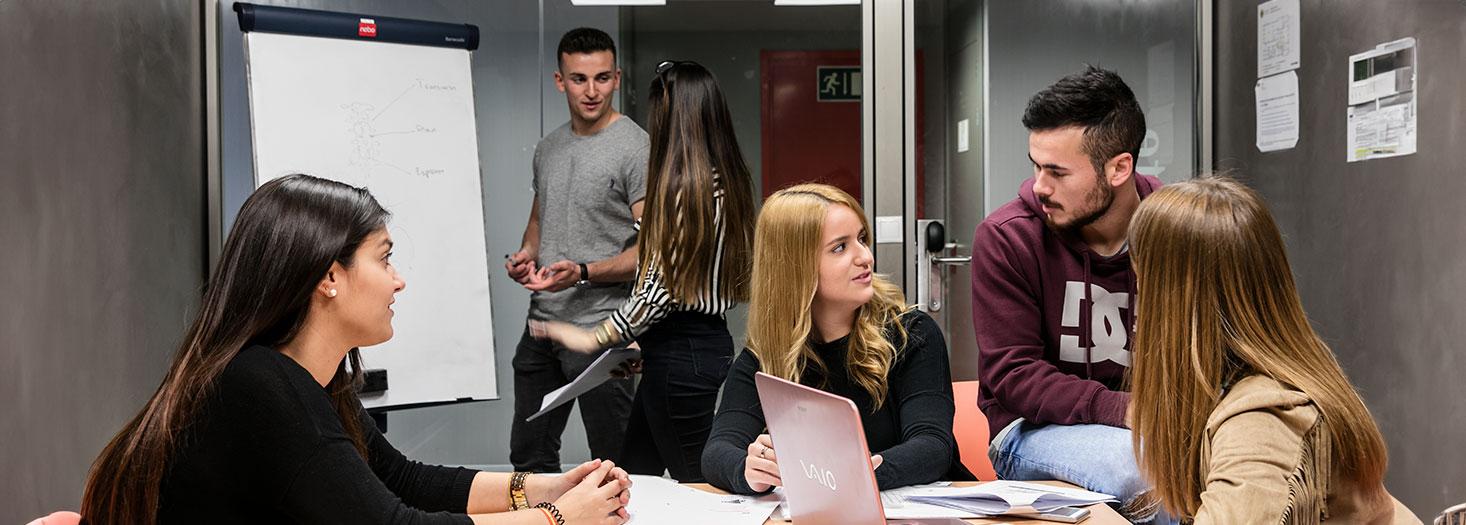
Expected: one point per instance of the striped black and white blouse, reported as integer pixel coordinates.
(650, 300)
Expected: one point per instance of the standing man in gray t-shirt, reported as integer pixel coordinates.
(579, 251)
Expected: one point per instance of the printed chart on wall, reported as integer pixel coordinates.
(1381, 113)
(1279, 55)
(397, 119)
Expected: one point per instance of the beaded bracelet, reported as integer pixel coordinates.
(517, 500)
(553, 512)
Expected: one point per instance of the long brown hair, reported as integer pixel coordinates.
(691, 140)
(282, 244)
(785, 276)
(1216, 303)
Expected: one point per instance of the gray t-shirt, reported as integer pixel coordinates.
(586, 186)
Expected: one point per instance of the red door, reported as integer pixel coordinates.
(806, 139)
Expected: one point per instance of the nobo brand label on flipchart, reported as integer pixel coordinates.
(367, 27)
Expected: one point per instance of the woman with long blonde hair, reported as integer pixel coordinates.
(820, 316)
(693, 256)
(1241, 413)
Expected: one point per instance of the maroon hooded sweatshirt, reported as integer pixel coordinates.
(1053, 319)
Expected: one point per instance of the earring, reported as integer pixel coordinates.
(331, 292)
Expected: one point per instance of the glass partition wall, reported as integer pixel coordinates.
(983, 60)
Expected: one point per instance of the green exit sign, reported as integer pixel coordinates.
(838, 83)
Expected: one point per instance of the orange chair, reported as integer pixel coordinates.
(971, 430)
(58, 518)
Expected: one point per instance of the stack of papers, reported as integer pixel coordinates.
(1008, 497)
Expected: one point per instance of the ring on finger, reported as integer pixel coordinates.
(761, 452)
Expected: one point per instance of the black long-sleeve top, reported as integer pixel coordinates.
(912, 430)
(269, 448)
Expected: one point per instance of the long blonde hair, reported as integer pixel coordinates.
(785, 275)
(1216, 303)
(692, 140)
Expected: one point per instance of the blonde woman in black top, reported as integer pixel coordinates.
(820, 316)
(695, 239)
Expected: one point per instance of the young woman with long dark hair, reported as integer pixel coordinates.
(693, 262)
(1241, 413)
(820, 316)
(257, 419)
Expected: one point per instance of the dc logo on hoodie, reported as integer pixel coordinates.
(1108, 333)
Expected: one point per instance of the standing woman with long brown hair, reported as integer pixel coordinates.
(257, 420)
(821, 316)
(1241, 413)
(695, 249)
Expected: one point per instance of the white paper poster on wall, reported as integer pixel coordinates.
(1277, 112)
(1278, 33)
(1382, 104)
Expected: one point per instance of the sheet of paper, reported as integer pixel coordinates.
(595, 374)
(1009, 497)
(1382, 131)
(1277, 112)
(1278, 33)
(657, 500)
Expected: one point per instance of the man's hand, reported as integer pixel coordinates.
(554, 278)
(520, 265)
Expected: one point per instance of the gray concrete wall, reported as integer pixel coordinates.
(1376, 245)
(101, 211)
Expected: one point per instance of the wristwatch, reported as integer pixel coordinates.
(584, 277)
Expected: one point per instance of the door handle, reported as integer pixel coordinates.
(931, 279)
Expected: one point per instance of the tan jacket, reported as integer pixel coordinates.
(1267, 461)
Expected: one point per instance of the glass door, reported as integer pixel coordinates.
(981, 63)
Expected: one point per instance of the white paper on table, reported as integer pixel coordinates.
(1278, 33)
(656, 500)
(897, 505)
(1010, 497)
(595, 374)
(1277, 112)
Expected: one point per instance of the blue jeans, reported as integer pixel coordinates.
(1100, 458)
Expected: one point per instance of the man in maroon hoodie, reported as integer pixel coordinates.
(1053, 295)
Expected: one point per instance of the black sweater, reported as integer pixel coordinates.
(912, 431)
(269, 448)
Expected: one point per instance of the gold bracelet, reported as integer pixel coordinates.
(517, 500)
(603, 335)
